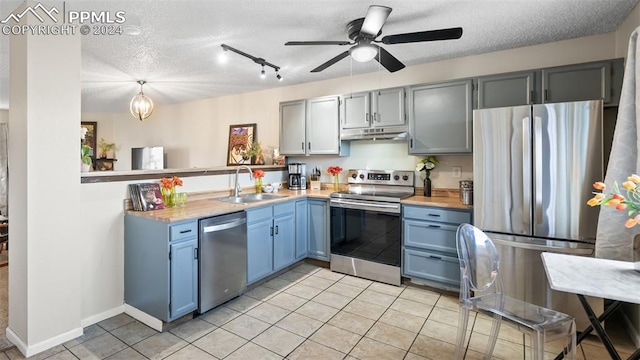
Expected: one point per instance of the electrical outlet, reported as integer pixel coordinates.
(457, 172)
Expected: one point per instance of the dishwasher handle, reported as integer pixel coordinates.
(224, 226)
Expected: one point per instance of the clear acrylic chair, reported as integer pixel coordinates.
(480, 274)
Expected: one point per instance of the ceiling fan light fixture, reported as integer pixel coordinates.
(141, 106)
(363, 52)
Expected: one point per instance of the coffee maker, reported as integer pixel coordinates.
(297, 177)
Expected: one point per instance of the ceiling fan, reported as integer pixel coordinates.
(363, 33)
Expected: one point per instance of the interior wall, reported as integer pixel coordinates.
(195, 134)
(4, 116)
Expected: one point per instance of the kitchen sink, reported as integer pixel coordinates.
(249, 198)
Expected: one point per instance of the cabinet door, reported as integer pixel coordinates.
(440, 118)
(590, 81)
(430, 235)
(323, 126)
(301, 229)
(284, 241)
(292, 127)
(444, 270)
(388, 105)
(511, 89)
(184, 277)
(318, 235)
(355, 111)
(259, 250)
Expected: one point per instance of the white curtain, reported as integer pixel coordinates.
(4, 171)
(614, 241)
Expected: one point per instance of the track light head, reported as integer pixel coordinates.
(278, 75)
(262, 73)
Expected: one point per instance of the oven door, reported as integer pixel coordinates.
(366, 230)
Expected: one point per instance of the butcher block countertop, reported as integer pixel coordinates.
(204, 204)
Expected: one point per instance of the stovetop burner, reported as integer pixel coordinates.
(379, 185)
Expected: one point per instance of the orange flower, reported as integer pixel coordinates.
(629, 185)
(599, 185)
(599, 196)
(621, 207)
(634, 178)
(592, 202)
(630, 223)
(618, 197)
(170, 183)
(258, 174)
(334, 170)
(613, 202)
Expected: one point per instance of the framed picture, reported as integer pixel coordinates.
(240, 136)
(90, 138)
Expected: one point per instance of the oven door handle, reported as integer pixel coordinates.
(390, 208)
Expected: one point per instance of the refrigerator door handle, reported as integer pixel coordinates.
(537, 156)
(554, 249)
(526, 170)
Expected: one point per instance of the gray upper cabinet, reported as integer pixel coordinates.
(311, 127)
(373, 109)
(512, 89)
(323, 127)
(440, 118)
(355, 110)
(589, 81)
(293, 127)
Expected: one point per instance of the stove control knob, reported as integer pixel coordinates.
(353, 176)
(405, 177)
(396, 177)
(362, 176)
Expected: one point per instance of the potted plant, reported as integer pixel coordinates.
(85, 152)
(105, 147)
(254, 150)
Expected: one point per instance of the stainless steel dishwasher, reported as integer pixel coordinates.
(223, 259)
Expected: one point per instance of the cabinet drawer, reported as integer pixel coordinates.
(258, 214)
(183, 231)
(282, 209)
(430, 235)
(437, 214)
(425, 265)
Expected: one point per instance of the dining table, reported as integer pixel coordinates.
(615, 280)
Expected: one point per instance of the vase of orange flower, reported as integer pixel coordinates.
(168, 187)
(627, 200)
(258, 175)
(335, 171)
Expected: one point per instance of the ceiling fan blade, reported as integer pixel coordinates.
(376, 17)
(431, 35)
(388, 61)
(319, 43)
(331, 62)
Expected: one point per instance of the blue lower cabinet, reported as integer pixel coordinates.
(184, 277)
(284, 242)
(271, 240)
(302, 232)
(318, 229)
(259, 250)
(432, 266)
(161, 266)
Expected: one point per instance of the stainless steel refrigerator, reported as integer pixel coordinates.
(533, 170)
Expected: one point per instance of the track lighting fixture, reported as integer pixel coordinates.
(141, 105)
(257, 60)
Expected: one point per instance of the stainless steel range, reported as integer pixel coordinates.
(366, 230)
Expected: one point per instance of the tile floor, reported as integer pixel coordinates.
(310, 312)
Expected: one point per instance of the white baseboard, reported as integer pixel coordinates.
(631, 330)
(102, 316)
(31, 350)
(143, 317)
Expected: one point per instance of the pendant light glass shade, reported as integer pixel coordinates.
(141, 105)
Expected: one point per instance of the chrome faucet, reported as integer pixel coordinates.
(236, 189)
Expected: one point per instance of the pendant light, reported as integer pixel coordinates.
(141, 105)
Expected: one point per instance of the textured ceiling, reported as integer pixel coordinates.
(179, 42)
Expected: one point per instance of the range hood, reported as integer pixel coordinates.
(377, 133)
